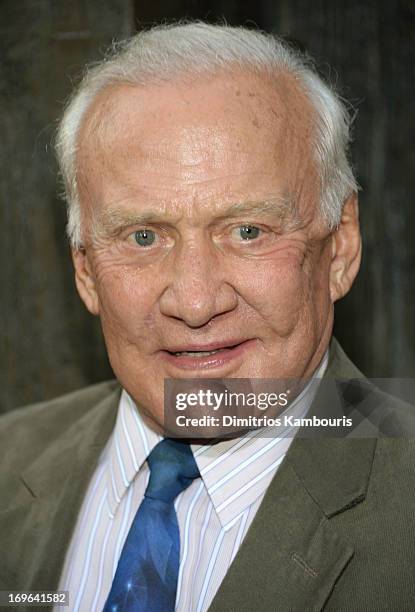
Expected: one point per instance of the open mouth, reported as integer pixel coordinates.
(215, 355)
(202, 353)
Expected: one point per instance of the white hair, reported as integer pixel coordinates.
(167, 52)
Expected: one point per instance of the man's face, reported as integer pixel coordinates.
(205, 255)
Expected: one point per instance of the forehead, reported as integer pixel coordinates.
(224, 132)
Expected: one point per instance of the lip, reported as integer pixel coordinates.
(228, 354)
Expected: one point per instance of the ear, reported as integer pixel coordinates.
(85, 280)
(346, 250)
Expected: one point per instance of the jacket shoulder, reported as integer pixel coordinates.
(26, 431)
(374, 410)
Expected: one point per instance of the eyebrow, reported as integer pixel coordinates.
(280, 207)
(114, 220)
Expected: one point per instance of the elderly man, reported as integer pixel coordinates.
(213, 221)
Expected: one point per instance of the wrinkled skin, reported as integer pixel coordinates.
(193, 165)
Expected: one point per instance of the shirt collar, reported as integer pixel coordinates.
(129, 446)
(235, 472)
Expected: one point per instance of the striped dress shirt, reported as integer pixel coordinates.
(214, 513)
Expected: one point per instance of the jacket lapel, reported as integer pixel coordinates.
(50, 495)
(292, 554)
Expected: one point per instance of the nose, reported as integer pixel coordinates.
(197, 290)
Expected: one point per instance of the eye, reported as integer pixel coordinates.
(247, 232)
(144, 237)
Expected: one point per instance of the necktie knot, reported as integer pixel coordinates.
(172, 469)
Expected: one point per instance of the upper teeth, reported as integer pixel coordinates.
(198, 353)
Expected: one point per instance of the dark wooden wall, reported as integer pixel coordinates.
(49, 344)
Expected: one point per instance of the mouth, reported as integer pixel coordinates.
(200, 353)
(211, 356)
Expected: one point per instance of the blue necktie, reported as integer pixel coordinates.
(147, 571)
